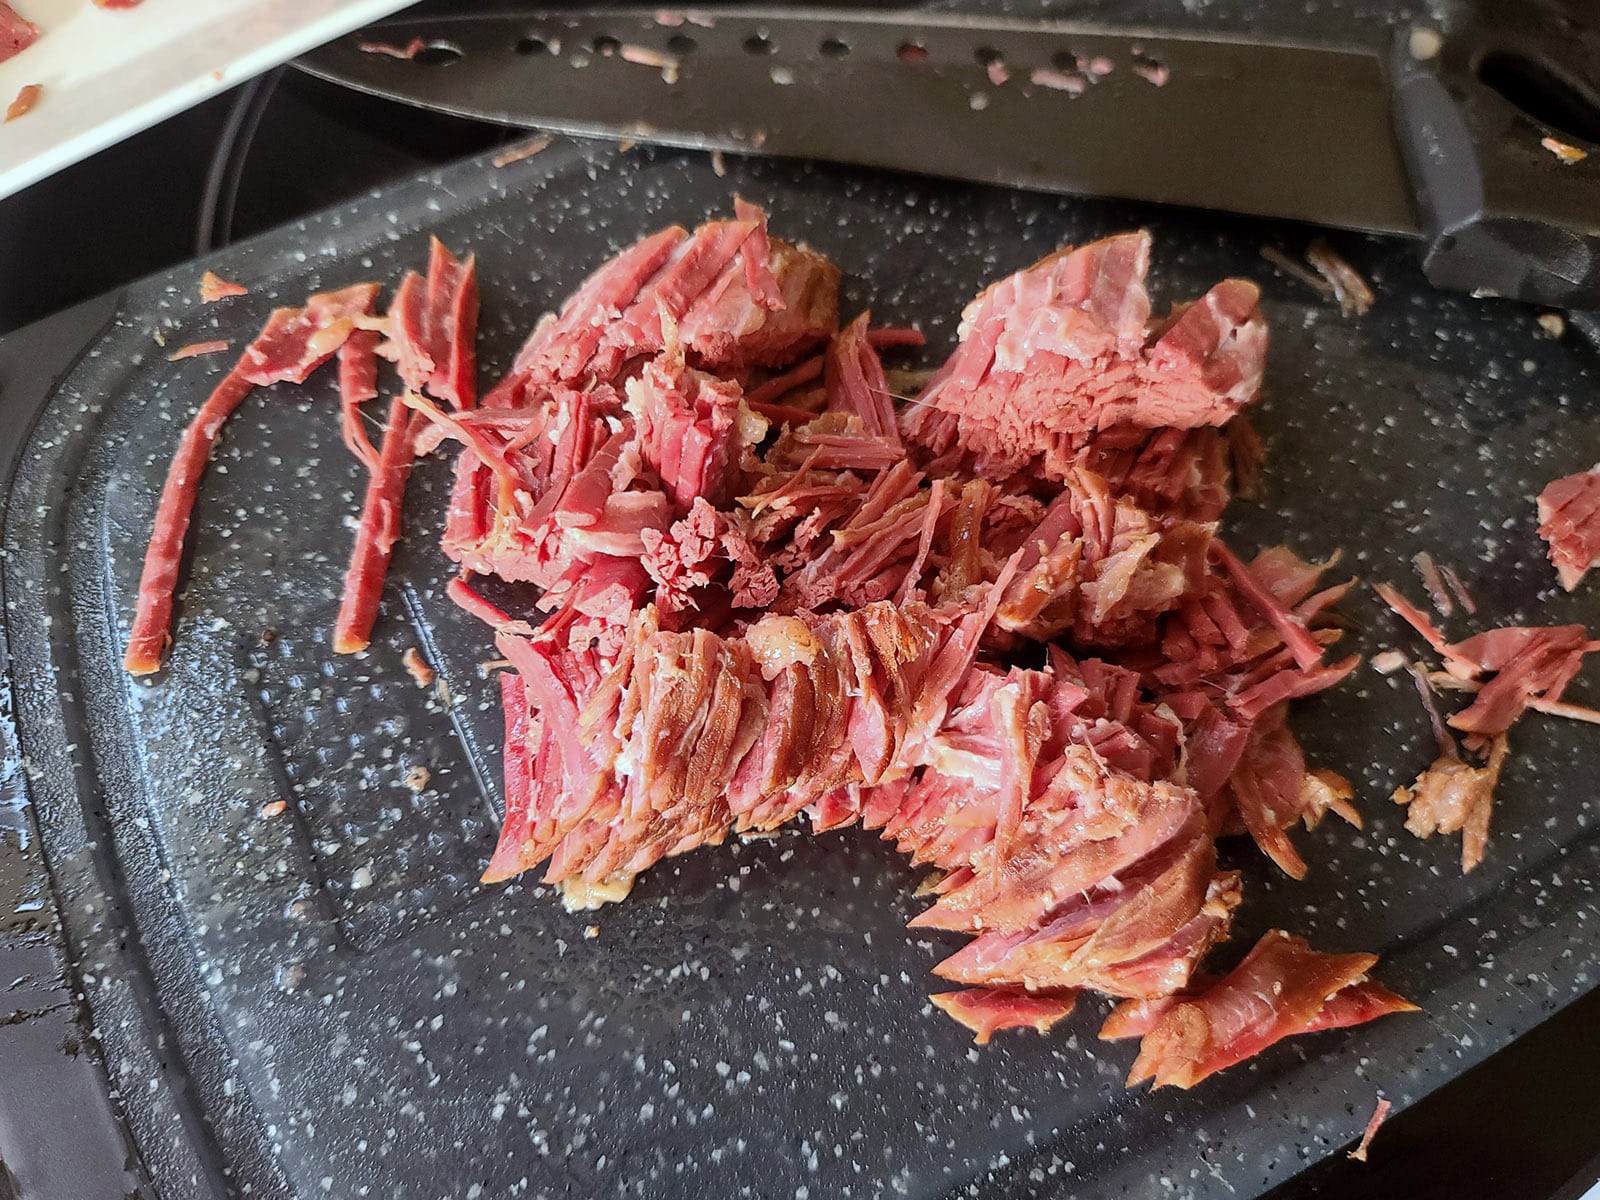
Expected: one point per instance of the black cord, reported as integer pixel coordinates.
(214, 224)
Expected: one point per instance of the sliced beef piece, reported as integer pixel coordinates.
(986, 1011)
(1282, 988)
(1569, 520)
(728, 295)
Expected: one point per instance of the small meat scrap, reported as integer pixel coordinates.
(1565, 153)
(1349, 288)
(195, 349)
(213, 287)
(644, 56)
(1155, 73)
(1507, 671)
(16, 34)
(1511, 669)
(1458, 589)
(1066, 349)
(1455, 796)
(389, 50)
(1569, 520)
(1387, 662)
(1294, 270)
(23, 104)
(118, 3)
(416, 777)
(1070, 82)
(1379, 1114)
(986, 1011)
(1433, 579)
(417, 667)
(1282, 988)
(521, 150)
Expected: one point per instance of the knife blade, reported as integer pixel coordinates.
(1259, 127)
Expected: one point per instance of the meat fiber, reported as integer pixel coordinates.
(432, 337)
(1510, 669)
(1569, 520)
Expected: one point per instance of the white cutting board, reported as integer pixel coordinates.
(108, 73)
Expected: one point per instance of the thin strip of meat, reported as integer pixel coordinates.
(376, 534)
(196, 350)
(148, 639)
(1433, 580)
(358, 383)
(1349, 288)
(986, 1011)
(292, 344)
(1380, 1113)
(432, 337)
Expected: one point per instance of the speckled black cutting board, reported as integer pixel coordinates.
(324, 1002)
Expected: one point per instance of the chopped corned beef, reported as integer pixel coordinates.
(1569, 520)
(993, 623)
(213, 287)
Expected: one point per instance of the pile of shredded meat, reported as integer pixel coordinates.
(994, 622)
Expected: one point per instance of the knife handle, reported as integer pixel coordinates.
(1488, 113)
